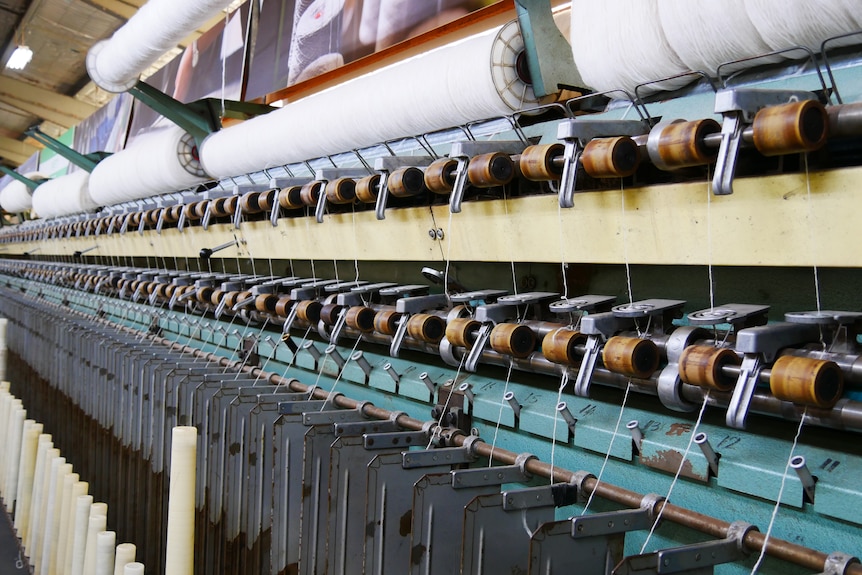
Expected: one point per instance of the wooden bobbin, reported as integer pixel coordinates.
(440, 177)
(291, 198)
(329, 313)
(265, 303)
(790, 128)
(172, 214)
(681, 144)
(283, 305)
(616, 157)
(150, 287)
(386, 321)
(360, 318)
(201, 209)
(806, 381)
(631, 356)
(426, 327)
(461, 331)
(135, 221)
(310, 193)
(186, 289)
(232, 298)
(216, 296)
(514, 339)
(537, 162)
(152, 217)
(190, 210)
(367, 189)
(249, 203)
(559, 346)
(265, 200)
(204, 294)
(309, 311)
(164, 290)
(341, 191)
(489, 170)
(218, 208)
(701, 365)
(406, 182)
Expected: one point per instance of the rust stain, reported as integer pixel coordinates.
(679, 429)
(669, 460)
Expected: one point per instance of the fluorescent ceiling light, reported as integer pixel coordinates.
(20, 58)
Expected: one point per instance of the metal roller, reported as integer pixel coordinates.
(703, 365)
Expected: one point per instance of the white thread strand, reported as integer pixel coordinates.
(500, 415)
(610, 446)
(564, 380)
(444, 87)
(780, 493)
(678, 470)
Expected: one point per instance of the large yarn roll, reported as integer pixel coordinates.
(160, 161)
(156, 27)
(468, 80)
(64, 196)
(17, 196)
(789, 23)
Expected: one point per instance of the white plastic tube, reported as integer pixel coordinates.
(78, 519)
(125, 555)
(67, 510)
(26, 469)
(180, 550)
(133, 569)
(15, 433)
(158, 26)
(79, 535)
(43, 447)
(56, 511)
(40, 528)
(97, 524)
(105, 542)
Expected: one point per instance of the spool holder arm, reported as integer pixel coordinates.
(199, 118)
(548, 54)
(84, 161)
(385, 166)
(326, 175)
(30, 183)
(462, 152)
(576, 134)
(738, 108)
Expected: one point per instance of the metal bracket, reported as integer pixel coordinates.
(482, 337)
(462, 152)
(548, 53)
(327, 174)
(279, 184)
(837, 563)
(669, 382)
(738, 107)
(499, 475)
(385, 166)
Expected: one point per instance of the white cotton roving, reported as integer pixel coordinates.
(472, 79)
(787, 23)
(17, 196)
(161, 161)
(64, 196)
(156, 27)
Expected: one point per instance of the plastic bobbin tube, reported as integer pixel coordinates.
(105, 542)
(125, 555)
(179, 556)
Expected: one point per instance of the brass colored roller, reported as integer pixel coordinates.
(265, 303)
(291, 198)
(386, 321)
(681, 144)
(172, 214)
(406, 182)
(310, 193)
(191, 211)
(426, 327)
(489, 170)
(282, 306)
(218, 208)
(367, 189)
(329, 313)
(702, 365)
(309, 310)
(439, 176)
(559, 345)
(537, 162)
(249, 203)
(360, 318)
(615, 157)
(631, 356)
(806, 381)
(341, 191)
(216, 295)
(204, 294)
(790, 128)
(515, 339)
(265, 200)
(461, 332)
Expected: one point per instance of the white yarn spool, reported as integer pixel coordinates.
(105, 542)
(472, 79)
(55, 507)
(15, 433)
(4, 352)
(26, 469)
(707, 34)
(156, 27)
(40, 527)
(17, 196)
(79, 535)
(44, 445)
(125, 555)
(78, 517)
(97, 524)
(180, 548)
(64, 196)
(67, 510)
(5, 413)
(804, 23)
(133, 569)
(620, 44)
(160, 161)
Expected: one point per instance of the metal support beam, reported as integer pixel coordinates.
(547, 53)
(15, 150)
(84, 161)
(44, 103)
(32, 184)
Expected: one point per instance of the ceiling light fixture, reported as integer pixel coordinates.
(20, 57)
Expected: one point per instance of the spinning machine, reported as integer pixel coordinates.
(505, 306)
